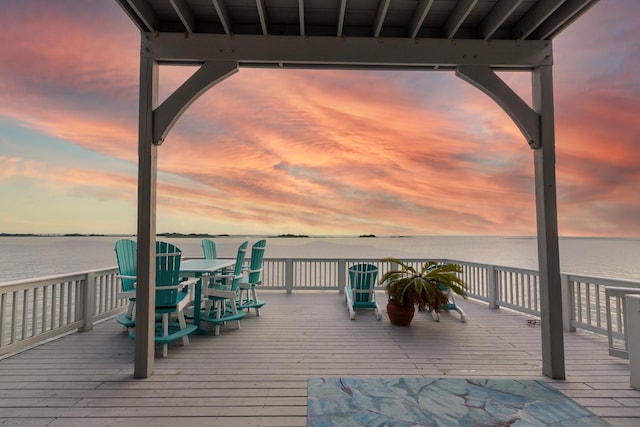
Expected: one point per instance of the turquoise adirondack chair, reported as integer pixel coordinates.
(449, 305)
(360, 292)
(172, 297)
(209, 249)
(209, 252)
(247, 295)
(220, 304)
(126, 254)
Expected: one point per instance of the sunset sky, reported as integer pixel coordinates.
(308, 152)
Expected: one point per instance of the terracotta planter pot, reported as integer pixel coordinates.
(400, 314)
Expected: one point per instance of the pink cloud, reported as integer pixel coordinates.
(68, 79)
(46, 48)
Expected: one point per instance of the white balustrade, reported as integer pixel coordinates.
(34, 310)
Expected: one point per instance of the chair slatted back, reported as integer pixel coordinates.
(237, 270)
(209, 249)
(363, 279)
(127, 256)
(168, 258)
(255, 265)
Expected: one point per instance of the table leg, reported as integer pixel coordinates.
(197, 304)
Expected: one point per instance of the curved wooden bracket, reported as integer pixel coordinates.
(209, 74)
(527, 120)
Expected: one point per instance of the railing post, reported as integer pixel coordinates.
(88, 302)
(288, 275)
(492, 285)
(342, 274)
(632, 337)
(568, 305)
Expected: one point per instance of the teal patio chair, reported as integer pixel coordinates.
(208, 249)
(126, 255)
(220, 304)
(449, 305)
(247, 295)
(209, 252)
(360, 292)
(172, 297)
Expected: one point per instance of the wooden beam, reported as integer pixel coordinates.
(419, 15)
(262, 15)
(540, 11)
(341, 11)
(547, 224)
(347, 52)
(456, 18)
(147, 179)
(185, 14)
(133, 15)
(301, 17)
(381, 13)
(145, 14)
(562, 18)
(223, 15)
(494, 19)
(527, 120)
(172, 108)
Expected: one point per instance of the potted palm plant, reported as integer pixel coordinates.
(407, 287)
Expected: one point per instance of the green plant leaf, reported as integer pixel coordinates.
(426, 288)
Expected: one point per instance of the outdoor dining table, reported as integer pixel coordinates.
(202, 268)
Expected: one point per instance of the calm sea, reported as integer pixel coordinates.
(615, 258)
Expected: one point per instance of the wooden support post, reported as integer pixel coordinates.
(147, 178)
(537, 126)
(547, 221)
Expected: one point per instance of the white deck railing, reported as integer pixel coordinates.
(35, 310)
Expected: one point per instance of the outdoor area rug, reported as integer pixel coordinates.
(390, 402)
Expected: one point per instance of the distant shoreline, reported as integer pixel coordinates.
(168, 235)
(290, 235)
(62, 235)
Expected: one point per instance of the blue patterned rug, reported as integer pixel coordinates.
(378, 402)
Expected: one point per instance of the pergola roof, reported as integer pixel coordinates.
(413, 19)
(425, 34)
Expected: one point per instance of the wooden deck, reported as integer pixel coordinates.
(257, 376)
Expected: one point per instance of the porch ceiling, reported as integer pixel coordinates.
(414, 29)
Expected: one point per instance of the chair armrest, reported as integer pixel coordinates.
(223, 278)
(190, 281)
(221, 293)
(247, 285)
(126, 295)
(226, 276)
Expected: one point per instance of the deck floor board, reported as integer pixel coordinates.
(257, 376)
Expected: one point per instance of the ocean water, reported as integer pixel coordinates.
(614, 258)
